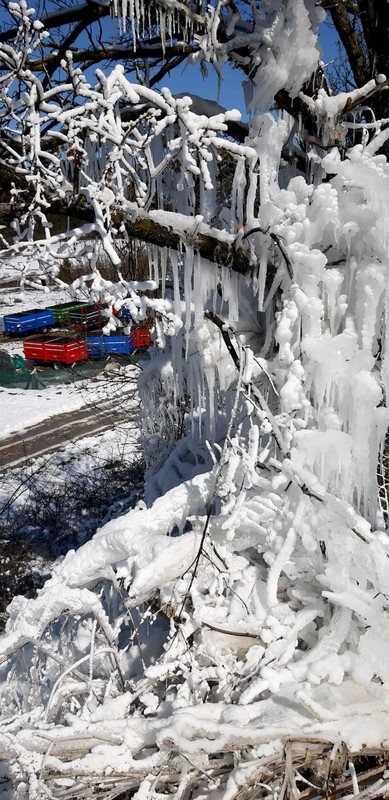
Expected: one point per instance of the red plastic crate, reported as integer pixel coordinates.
(87, 317)
(63, 350)
(141, 337)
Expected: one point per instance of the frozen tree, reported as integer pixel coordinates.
(229, 637)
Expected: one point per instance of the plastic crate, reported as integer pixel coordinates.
(141, 337)
(55, 349)
(86, 318)
(61, 311)
(25, 321)
(100, 346)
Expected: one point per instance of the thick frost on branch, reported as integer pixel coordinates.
(125, 149)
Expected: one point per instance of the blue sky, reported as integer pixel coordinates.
(227, 92)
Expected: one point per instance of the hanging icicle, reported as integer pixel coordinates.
(172, 18)
(188, 282)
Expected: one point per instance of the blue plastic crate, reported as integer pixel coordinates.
(103, 345)
(26, 321)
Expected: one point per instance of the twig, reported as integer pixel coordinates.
(231, 633)
(254, 389)
(225, 335)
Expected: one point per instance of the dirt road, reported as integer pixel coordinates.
(51, 434)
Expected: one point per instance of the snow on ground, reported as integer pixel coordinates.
(118, 445)
(20, 408)
(13, 300)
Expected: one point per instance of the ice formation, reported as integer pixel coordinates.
(241, 607)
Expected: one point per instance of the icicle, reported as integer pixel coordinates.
(196, 393)
(237, 195)
(197, 291)
(262, 274)
(230, 287)
(149, 254)
(248, 365)
(176, 283)
(163, 30)
(125, 14)
(365, 397)
(208, 192)
(385, 363)
(152, 259)
(164, 257)
(178, 342)
(211, 400)
(234, 299)
(329, 455)
(142, 16)
(160, 338)
(251, 193)
(370, 288)
(191, 390)
(188, 278)
(204, 287)
(156, 265)
(333, 280)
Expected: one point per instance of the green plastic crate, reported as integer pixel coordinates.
(61, 311)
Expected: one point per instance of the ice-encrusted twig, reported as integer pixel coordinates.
(249, 386)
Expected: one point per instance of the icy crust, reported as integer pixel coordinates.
(288, 596)
(329, 247)
(285, 52)
(331, 366)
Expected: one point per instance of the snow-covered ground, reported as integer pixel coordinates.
(20, 409)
